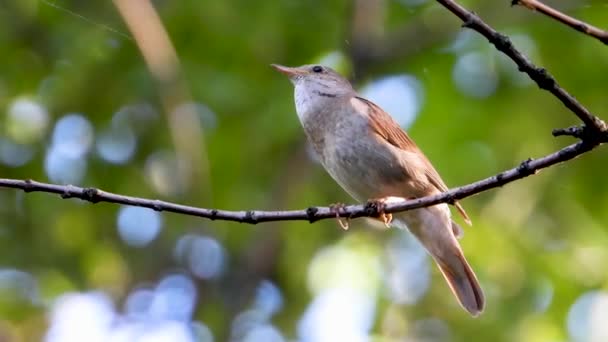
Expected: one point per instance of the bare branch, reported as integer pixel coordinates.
(93, 195)
(592, 134)
(541, 76)
(576, 24)
(573, 131)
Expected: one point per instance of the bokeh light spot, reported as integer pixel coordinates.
(163, 173)
(204, 256)
(26, 121)
(264, 333)
(166, 331)
(336, 60)
(475, 74)
(431, 329)
(344, 267)
(201, 332)
(73, 135)
(207, 117)
(138, 303)
(139, 116)
(13, 154)
(245, 322)
(588, 316)
(408, 273)
(338, 315)
(138, 226)
(268, 298)
(63, 168)
(79, 317)
(17, 285)
(174, 298)
(116, 144)
(401, 96)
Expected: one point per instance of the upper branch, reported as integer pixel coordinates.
(93, 195)
(576, 24)
(541, 76)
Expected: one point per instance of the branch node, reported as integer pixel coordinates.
(213, 215)
(67, 192)
(28, 185)
(157, 205)
(593, 136)
(580, 27)
(500, 178)
(449, 198)
(311, 213)
(470, 21)
(524, 167)
(502, 42)
(90, 194)
(250, 217)
(544, 80)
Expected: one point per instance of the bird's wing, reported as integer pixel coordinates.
(386, 127)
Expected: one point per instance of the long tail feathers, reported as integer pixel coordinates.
(462, 281)
(438, 234)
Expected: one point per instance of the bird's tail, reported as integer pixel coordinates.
(461, 279)
(435, 230)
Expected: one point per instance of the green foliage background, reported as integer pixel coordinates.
(542, 236)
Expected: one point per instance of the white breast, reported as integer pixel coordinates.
(304, 102)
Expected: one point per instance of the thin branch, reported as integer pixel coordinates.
(573, 131)
(580, 132)
(312, 214)
(576, 24)
(592, 135)
(541, 76)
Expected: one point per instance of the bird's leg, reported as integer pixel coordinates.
(336, 208)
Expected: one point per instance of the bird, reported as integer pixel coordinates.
(373, 159)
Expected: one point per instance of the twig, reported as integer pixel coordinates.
(541, 76)
(580, 132)
(93, 195)
(573, 131)
(576, 24)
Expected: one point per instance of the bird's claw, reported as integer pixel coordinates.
(380, 206)
(337, 208)
(387, 218)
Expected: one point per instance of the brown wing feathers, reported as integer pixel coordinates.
(396, 136)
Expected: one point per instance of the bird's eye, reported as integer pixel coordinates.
(317, 69)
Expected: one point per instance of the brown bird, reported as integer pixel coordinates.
(371, 157)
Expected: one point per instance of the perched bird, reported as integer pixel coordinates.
(372, 158)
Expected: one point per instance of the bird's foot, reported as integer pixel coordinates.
(336, 208)
(379, 206)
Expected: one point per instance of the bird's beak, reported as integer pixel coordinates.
(290, 72)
